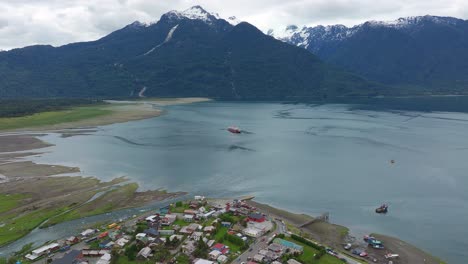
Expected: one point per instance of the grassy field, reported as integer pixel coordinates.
(308, 256)
(10, 201)
(104, 204)
(16, 227)
(219, 237)
(52, 118)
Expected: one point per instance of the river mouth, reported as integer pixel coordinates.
(310, 158)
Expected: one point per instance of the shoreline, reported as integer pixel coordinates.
(112, 113)
(12, 166)
(36, 194)
(332, 235)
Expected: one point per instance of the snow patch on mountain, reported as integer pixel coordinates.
(167, 39)
(198, 13)
(314, 37)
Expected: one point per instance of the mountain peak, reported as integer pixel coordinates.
(194, 13)
(199, 13)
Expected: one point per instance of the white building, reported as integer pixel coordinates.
(252, 232)
(222, 259)
(105, 259)
(293, 261)
(121, 242)
(145, 252)
(140, 235)
(202, 261)
(214, 254)
(88, 232)
(188, 218)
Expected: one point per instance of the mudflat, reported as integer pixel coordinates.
(12, 143)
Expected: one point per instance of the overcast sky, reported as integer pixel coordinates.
(57, 22)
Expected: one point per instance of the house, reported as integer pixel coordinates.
(276, 262)
(115, 234)
(105, 259)
(222, 259)
(194, 205)
(179, 237)
(112, 225)
(42, 251)
(210, 243)
(190, 228)
(209, 214)
(168, 219)
(214, 254)
(151, 232)
(88, 232)
(188, 247)
(288, 244)
(106, 244)
(221, 248)
(139, 236)
(293, 261)
(72, 240)
(166, 232)
(258, 257)
(190, 212)
(271, 256)
(121, 242)
(257, 217)
(70, 257)
(153, 218)
(199, 198)
(145, 252)
(188, 218)
(252, 232)
(226, 224)
(276, 248)
(196, 235)
(202, 261)
(209, 229)
(103, 235)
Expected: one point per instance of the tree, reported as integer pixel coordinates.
(201, 250)
(131, 252)
(161, 254)
(178, 204)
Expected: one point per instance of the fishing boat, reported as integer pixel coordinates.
(383, 209)
(234, 130)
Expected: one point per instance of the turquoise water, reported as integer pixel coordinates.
(304, 158)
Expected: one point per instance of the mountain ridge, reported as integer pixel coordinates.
(189, 53)
(429, 53)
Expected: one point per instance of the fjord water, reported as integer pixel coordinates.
(304, 158)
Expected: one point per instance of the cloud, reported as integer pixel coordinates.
(58, 22)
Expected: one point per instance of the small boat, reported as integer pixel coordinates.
(383, 209)
(234, 130)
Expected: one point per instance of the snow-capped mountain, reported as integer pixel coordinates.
(313, 38)
(183, 54)
(419, 51)
(194, 13)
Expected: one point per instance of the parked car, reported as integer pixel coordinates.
(347, 246)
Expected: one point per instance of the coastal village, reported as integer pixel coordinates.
(199, 231)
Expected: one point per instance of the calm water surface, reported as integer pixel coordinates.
(305, 158)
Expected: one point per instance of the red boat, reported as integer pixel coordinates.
(234, 130)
